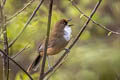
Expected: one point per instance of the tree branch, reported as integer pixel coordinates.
(75, 40)
(47, 39)
(18, 53)
(3, 53)
(5, 41)
(27, 23)
(6, 50)
(100, 25)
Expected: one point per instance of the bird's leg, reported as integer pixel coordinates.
(49, 66)
(66, 49)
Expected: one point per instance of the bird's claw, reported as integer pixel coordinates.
(67, 50)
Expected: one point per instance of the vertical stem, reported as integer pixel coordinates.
(2, 24)
(47, 39)
(6, 50)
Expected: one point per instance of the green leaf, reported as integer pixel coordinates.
(81, 16)
(109, 33)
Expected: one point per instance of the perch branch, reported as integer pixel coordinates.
(100, 25)
(75, 40)
(47, 39)
(27, 23)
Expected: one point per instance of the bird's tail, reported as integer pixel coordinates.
(35, 64)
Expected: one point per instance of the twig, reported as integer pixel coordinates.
(4, 62)
(47, 39)
(25, 26)
(17, 13)
(75, 40)
(18, 53)
(6, 49)
(5, 39)
(100, 25)
(2, 52)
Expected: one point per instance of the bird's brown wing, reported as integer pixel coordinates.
(41, 46)
(51, 43)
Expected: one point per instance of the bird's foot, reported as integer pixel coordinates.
(49, 66)
(67, 50)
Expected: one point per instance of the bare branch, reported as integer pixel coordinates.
(27, 23)
(6, 49)
(2, 52)
(75, 40)
(5, 40)
(100, 25)
(17, 13)
(18, 53)
(47, 39)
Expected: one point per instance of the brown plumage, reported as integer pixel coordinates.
(56, 43)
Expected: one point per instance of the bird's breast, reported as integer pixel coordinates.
(67, 33)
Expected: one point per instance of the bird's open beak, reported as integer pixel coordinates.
(70, 25)
(69, 21)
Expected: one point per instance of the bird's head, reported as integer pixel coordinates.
(62, 23)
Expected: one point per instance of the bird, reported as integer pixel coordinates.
(58, 40)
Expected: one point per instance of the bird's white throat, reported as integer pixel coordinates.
(67, 33)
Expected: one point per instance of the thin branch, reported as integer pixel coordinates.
(3, 53)
(100, 25)
(17, 13)
(5, 40)
(18, 53)
(4, 66)
(47, 39)
(75, 40)
(6, 50)
(27, 23)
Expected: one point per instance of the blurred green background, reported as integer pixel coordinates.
(96, 56)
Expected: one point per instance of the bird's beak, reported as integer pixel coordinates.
(70, 25)
(69, 21)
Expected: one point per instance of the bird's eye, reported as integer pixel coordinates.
(65, 23)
